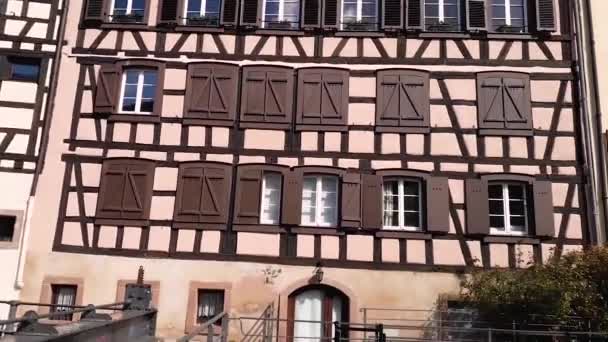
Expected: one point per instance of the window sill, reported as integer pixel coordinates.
(130, 26)
(199, 225)
(321, 128)
(121, 222)
(403, 234)
(202, 122)
(261, 228)
(318, 231)
(277, 32)
(447, 34)
(265, 125)
(134, 118)
(511, 239)
(510, 35)
(403, 129)
(189, 28)
(359, 34)
(505, 132)
(14, 244)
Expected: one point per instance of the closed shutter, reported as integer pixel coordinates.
(351, 200)
(94, 12)
(267, 95)
(517, 102)
(107, 88)
(490, 102)
(476, 15)
(126, 189)
(371, 197)
(504, 101)
(203, 193)
(438, 205)
(229, 10)
(330, 14)
(311, 13)
(545, 15)
(403, 99)
(414, 18)
(168, 12)
(322, 96)
(543, 209)
(392, 14)
(211, 92)
(249, 12)
(292, 198)
(248, 195)
(477, 207)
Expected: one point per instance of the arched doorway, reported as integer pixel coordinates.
(313, 309)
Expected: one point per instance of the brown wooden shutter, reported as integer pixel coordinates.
(331, 10)
(490, 101)
(211, 93)
(94, 12)
(414, 18)
(311, 13)
(266, 96)
(545, 15)
(543, 209)
(476, 15)
(125, 191)
(504, 101)
(437, 205)
(371, 197)
(168, 12)
(392, 14)
(477, 207)
(248, 194)
(229, 12)
(517, 102)
(203, 193)
(107, 88)
(323, 96)
(292, 198)
(249, 12)
(402, 98)
(351, 200)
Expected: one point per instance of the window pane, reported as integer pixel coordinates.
(431, 10)
(139, 5)
(213, 8)
(498, 12)
(412, 219)
(410, 188)
(329, 184)
(24, 69)
(120, 4)
(130, 91)
(516, 207)
(128, 105)
(516, 192)
(194, 6)
(518, 223)
(391, 219)
(7, 227)
(328, 216)
(132, 76)
(147, 105)
(410, 203)
(495, 191)
(149, 91)
(150, 77)
(496, 207)
(497, 222)
(272, 8)
(309, 198)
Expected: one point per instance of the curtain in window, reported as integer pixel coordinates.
(308, 308)
(210, 304)
(63, 295)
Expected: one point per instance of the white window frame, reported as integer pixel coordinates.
(280, 15)
(129, 7)
(401, 204)
(140, 91)
(506, 215)
(320, 203)
(441, 14)
(359, 15)
(507, 5)
(264, 205)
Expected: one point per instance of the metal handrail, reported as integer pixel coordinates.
(208, 325)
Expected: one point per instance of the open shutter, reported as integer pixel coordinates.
(248, 195)
(351, 200)
(543, 209)
(168, 12)
(94, 12)
(476, 15)
(322, 96)
(107, 87)
(311, 13)
(392, 14)
(415, 12)
(266, 96)
(545, 15)
(477, 207)
(229, 12)
(371, 197)
(517, 102)
(330, 14)
(249, 12)
(211, 93)
(490, 101)
(403, 99)
(437, 205)
(292, 198)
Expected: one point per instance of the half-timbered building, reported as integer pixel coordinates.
(233, 146)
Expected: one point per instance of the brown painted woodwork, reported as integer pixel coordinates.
(292, 198)
(322, 96)
(371, 197)
(94, 11)
(504, 103)
(125, 192)
(311, 14)
(250, 12)
(249, 191)
(402, 100)
(331, 14)
(107, 89)
(229, 14)
(168, 12)
(392, 14)
(476, 12)
(203, 192)
(543, 209)
(415, 15)
(545, 15)
(211, 93)
(477, 207)
(437, 205)
(351, 200)
(267, 97)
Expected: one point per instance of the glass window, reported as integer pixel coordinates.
(442, 15)
(24, 69)
(359, 15)
(210, 304)
(128, 11)
(7, 227)
(202, 13)
(402, 204)
(281, 14)
(138, 91)
(271, 198)
(63, 296)
(320, 201)
(509, 15)
(508, 208)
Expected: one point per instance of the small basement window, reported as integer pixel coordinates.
(7, 228)
(63, 298)
(24, 69)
